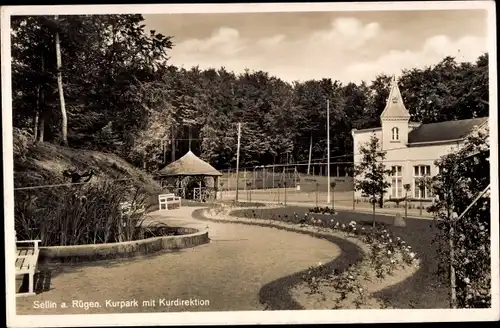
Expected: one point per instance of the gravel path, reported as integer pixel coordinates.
(229, 272)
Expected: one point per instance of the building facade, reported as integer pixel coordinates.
(411, 147)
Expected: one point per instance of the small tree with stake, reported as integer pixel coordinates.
(407, 188)
(333, 184)
(423, 184)
(370, 174)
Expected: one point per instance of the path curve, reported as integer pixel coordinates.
(229, 272)
(277, 295)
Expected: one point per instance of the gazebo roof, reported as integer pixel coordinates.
(189, 165)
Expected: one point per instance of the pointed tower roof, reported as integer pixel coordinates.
(395, 108)
(189, 164)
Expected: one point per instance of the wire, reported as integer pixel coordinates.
(68, 184)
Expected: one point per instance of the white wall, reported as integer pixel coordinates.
(407, 157)
(387, 142)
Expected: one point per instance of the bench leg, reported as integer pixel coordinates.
(31, 282)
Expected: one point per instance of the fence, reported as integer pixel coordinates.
(290, 184)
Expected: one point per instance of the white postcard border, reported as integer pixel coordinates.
(242, 317)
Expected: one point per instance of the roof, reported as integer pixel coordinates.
(444, 131)
(395, 108)
(189, 164)
(355, 131)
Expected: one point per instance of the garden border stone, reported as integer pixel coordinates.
(97, 252)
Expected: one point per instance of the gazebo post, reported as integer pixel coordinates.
(199, 185)
(216, 185)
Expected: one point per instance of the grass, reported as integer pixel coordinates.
(43, 164)
(91, 214)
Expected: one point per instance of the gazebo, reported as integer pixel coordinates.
(190, 177)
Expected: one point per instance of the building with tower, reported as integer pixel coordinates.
(412, 147)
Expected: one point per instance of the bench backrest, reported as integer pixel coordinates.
(164, 197)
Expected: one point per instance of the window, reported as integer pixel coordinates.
(395, 134)
(396, 181)
(420, 171)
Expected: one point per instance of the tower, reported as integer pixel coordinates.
(394, 120)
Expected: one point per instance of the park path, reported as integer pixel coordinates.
(228, 272)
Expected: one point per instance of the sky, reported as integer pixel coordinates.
(345, 46)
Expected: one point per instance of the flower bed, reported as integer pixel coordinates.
(388, 260)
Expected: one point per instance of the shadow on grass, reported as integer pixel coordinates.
(276, 295)
(422, 290)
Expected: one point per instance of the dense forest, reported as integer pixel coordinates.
(104, 83)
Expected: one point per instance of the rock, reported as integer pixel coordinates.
(399, 221)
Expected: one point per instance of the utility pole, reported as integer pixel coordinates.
(328, 145)
(310, 153)
(238, 160)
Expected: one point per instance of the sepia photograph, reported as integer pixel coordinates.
(248, 163)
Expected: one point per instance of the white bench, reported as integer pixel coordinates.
(165, 199)
(26, 261)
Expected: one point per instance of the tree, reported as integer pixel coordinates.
(370, 174)
(108, 58)
(462, 212)
(64, 121)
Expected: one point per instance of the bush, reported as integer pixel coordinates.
(322, 210)
(77, 215)
(464, 245)
(21, 141)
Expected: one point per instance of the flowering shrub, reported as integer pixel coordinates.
(314, 276)
(388, 253)
(464, 245)
(322, 210)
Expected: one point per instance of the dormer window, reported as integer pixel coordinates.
(395, 134)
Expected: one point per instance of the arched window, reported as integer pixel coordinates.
(395, 133)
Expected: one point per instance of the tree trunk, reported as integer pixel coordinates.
(64, 123)
(453, 287)
(37, 114)
(173, 143)
(373, 223)
(189, 137)
(164, 149)
(43, 115)
(40, 128)
(406, 206)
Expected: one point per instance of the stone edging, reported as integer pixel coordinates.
(276, 295)
(96, 252)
